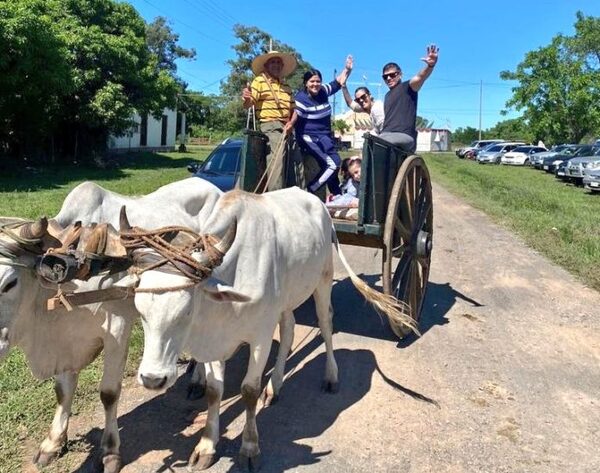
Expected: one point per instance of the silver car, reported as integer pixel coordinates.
(494, 153)
(576, 166)
(591, 177)
(538, 160)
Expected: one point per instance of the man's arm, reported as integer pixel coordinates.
(430, 61)
(247, 96)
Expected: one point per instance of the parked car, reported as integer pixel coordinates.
(537, 160)
(577, 166)
(521, 155)
(222, 166)
(494, 153)
(559, 172)
(591, 177)
(549, 164)
(460, 152)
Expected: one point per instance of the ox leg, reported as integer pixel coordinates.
(204, 453)
(249, 457)
(197, 385)
(286, 337)
(115, 357)
(322, 296)
(64, 387)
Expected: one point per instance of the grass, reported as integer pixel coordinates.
(27, 404)
(560, 221)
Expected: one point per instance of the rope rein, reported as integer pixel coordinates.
(179, 256)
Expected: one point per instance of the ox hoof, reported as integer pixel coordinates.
(330, 387)
(199, 462)
(44, 458)
(195, 391)
(249, 463)
(112, 463)
(269, 399)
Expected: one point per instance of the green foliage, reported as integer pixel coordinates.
(72, 72)
(423, 122)
(515, 129)
(340, 126)
(253, 43)
(465, 135)
(558, 85)
(162, 42)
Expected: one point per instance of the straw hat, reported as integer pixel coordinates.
(289, 62)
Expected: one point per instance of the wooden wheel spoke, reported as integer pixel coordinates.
(398, 251)
(403, 232)
(402, 269)
(423, 210)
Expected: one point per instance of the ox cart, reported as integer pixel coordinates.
(395, 212)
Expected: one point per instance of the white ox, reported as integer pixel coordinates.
(61, 343)
(281, 254)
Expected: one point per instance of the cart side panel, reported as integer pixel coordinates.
(380, 165)
(253, 160)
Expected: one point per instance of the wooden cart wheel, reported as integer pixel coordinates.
(407, 237)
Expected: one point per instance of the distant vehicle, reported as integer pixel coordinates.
(591, 177)
(576, 166)
(521, 155)
(550, 163)
(494, 153)
(537, 160)
(475, 145)
(222, 166)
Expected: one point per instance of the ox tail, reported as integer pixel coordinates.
(397, 312)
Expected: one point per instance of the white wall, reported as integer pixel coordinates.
(433, 140)
(131, 140)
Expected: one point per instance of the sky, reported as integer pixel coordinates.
(477, 41)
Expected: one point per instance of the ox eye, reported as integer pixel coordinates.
(10, 285)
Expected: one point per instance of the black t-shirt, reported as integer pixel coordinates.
(400, 108)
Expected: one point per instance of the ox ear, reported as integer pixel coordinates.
(219, 291)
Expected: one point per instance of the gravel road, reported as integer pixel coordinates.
(505, 378)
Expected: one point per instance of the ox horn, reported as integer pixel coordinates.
(35, 230)
(222, 246)
(124, 224)
(225, 243)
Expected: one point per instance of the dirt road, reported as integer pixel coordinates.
(506, 377)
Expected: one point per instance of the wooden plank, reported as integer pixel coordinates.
(68, 300)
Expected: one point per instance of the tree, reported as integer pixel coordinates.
(558, 86)
(465, 135)
(252, 43)
(340, 126)
(421, 122)
(514, 129)
(162, 42)
(74, 71)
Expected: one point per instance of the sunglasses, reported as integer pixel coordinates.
(390, 75)
(362, 98)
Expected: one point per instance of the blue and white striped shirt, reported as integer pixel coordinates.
(314, 112)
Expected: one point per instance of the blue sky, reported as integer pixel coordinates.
(477, 40)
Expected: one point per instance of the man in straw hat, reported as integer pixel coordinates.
(273, 104)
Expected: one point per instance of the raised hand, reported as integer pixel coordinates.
(432, 55)
(349, 62)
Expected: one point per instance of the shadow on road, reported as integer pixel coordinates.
(303, 411)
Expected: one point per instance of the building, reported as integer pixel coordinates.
(433, 139)
(428, 139)
(148, 133)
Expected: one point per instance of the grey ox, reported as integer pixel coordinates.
(61, 343)
(278, 253)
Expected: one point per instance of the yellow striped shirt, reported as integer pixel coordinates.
(265, 104)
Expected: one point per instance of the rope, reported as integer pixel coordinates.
(277, 157)
(178, 256)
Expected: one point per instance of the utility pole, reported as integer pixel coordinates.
(480, 99)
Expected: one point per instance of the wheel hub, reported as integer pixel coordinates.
(424, 243)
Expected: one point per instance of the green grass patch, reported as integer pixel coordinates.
(27, 404)
(560, 221)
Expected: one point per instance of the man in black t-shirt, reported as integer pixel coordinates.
(401, 102)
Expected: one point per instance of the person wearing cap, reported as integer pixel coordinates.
(400, 105)
(273, 104)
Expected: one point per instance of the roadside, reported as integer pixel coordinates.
(505, 378)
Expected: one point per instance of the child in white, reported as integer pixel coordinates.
(351, 172)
